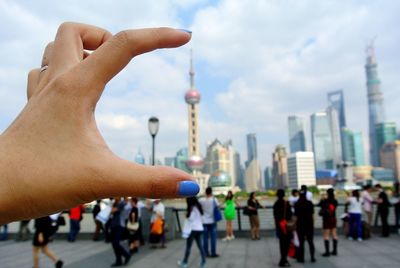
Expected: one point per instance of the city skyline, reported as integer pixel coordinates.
(250, 80)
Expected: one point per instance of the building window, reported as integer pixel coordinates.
(194, 132)
(194, 140)
(194, 148)
(192, 115)
(193, 124)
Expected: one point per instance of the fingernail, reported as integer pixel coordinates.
(188, 188)
(186, 31)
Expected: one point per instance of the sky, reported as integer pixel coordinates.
(256, 63)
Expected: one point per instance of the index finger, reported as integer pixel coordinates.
(109, 59)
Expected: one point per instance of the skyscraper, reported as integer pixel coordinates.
(297, 140)
(322, 141)
(375, 102)
(139, 158)
(336, 101)
(251, 147)
(239, 172)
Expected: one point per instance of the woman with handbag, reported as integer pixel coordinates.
(304, 212)
(252, 212)
(282, 215)
(195, 224)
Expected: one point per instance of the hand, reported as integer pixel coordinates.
(40, 238)
(53, 157)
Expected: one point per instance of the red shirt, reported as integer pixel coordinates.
(76, 213)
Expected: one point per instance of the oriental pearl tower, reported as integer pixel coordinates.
(192, 97)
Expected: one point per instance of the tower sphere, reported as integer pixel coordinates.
(195, 163)
(192, 96)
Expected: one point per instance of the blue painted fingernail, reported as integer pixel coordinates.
(186, 31)
(188, 188)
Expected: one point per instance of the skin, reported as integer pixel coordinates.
(53, 156)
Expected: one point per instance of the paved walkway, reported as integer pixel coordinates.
(239, 253)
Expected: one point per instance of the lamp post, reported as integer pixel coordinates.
(153, 124)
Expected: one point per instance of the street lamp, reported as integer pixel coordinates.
(154, 123)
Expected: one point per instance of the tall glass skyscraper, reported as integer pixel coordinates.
(251, 147)
(297, 140)
(336, 100)
(359, 156)
(375, 103)
(322, 142)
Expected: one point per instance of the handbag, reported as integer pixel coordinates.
(157, 227)
(217, 212)
(132, 226)
(187, 229)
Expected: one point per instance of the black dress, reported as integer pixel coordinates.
(282, 211)
(328, 213)
(42, 225)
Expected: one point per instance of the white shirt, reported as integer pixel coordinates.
(293, 199)
(158, 209)
(367, 201)
(196, 223)
(207, 203)
(355, 206)
(309, 196)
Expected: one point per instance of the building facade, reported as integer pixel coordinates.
(376, 112)
(251, 147)
(301, 170)
(353, 147)
(253, 176)
(221, 157)
(385, 132)
(390, 157)
(297, 140)
(279, 167)
(322, 141)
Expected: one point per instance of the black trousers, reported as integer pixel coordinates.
(303, 236)
(384, 219)
(119, 250)
(284, 243)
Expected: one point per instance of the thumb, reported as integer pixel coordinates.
(130, 179)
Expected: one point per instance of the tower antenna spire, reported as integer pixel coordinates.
(191, 72)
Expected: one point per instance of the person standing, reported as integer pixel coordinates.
(23, 231)
(118, 223)
(383, 209)
(282, 214)
(210, 226)
(4, 233)
(304, 212)
(230, 214)
(327, 211)
(75, 218)
(43, 230)
(194, 214)
(99, 226)
(253, 206)
(158, 214)
(367, 205)
(355, 213)
(134, 237)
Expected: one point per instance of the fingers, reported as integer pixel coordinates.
(70, 42)
(108, 60)
(129, 179)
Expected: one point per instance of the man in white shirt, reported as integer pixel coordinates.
(367, 204)
(210, 226)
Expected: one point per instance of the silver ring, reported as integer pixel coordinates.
(44, 68)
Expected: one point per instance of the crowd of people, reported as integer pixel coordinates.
(120, 219)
